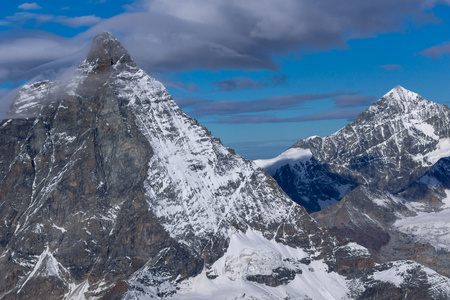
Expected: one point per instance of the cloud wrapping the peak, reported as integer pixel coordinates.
(22, 57)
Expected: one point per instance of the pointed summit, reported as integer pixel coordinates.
(107, 51)
(398, 102)
(399, 93)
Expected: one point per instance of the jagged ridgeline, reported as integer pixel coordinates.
(389, 146)
(109, 191)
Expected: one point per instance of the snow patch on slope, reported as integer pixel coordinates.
(427, 129)
(442, 150)
(429, 227)
(356, 250)
(46, 266)
(251, 254)
(289, 157)
(401, 272)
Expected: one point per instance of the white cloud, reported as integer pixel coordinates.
(77, 22)
(30, 6)
(74, 22)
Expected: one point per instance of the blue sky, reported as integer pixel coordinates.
(259, 74)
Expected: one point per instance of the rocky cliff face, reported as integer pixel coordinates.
(109, 191)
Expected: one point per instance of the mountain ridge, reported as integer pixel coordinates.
(390, 145)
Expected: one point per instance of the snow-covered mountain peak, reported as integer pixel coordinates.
(401, 94)
(398, 102)
(389, 145)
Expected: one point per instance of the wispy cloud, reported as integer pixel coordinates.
(202, 107)
(353, 100)
(436, 51)
(275, 80)
(349, 115)
(30, 6)
(191, 101)
(237, 84)
(242, 112)
(24, 56)
(393, 67)
(74, 22)
(188, 87)
(245, 83)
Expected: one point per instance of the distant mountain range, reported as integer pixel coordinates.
(108, 190)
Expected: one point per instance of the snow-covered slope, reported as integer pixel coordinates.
(429, 227)
(430, 222)
(196, 186)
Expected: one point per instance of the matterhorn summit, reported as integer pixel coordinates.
(108, 190)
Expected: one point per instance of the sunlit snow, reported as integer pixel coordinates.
(288, 157)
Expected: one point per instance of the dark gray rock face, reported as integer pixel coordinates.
(312, 185)
(72, 191)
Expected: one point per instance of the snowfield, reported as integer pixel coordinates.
(429, 227)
